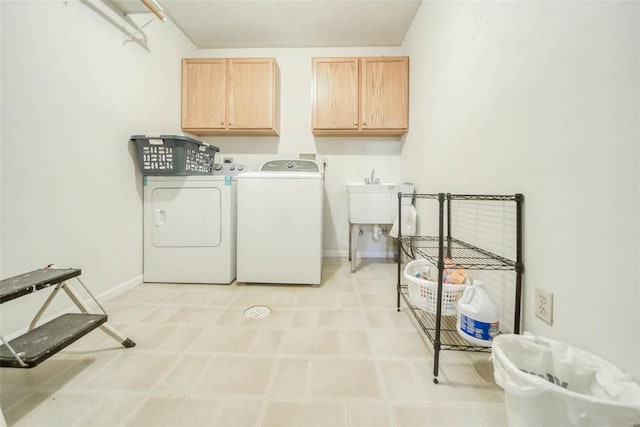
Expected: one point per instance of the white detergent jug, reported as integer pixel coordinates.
(478, 315)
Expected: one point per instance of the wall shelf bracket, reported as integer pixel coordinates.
(132, 36)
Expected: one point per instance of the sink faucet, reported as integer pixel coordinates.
(372, 180)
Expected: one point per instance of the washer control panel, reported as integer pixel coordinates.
(290, 165)
(228, 169)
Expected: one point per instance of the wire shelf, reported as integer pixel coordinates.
(492, 197)
(449, 337)
(463, 255)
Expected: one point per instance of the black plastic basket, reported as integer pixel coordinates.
(174, 155)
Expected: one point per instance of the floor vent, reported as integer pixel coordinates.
(257, 312)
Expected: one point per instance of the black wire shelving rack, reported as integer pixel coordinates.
(441, 330)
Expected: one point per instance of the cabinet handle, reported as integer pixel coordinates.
(221, 123)
(364, 124)
(355, 124)
(230, 123)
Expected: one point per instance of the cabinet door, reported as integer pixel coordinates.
(204, 93)
(252, 93)
(335, 93)
(385, 93)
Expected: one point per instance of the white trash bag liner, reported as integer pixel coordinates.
(549, 383)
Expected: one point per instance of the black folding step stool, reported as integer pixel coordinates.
(41, 342)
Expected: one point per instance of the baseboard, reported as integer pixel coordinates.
(361, 254)
(335, 254)
(120, 289)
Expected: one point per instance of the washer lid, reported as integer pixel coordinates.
(280, 175)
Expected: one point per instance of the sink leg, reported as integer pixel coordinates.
(349, 241)
(353, 247)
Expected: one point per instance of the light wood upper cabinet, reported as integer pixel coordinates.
(385, 93)
(231, 96)
(360, 96)
(252, 93)
(335, 92)
(204, 93)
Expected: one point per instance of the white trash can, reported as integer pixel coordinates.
(549, 383)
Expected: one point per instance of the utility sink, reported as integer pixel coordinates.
(372, 203)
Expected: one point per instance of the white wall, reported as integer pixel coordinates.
(542, 98)
(349, 159)
(72, 94)
(1, 275)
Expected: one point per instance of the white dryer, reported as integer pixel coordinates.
(190, 227)
(280, 210)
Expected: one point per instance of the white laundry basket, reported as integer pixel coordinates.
(424, 293)
(549, 383)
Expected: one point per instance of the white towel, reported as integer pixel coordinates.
(409, 216)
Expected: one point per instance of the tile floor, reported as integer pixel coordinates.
(334, 355)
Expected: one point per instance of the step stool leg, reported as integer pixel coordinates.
(113, 333)
(44, 307)
(110, 330)
(18, 356)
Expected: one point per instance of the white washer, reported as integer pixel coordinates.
(280, 210)
(190, 227)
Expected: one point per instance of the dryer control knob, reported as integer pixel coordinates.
(289, 165)
(240, 168)
(218, 167)
(232, 168)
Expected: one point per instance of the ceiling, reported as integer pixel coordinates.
(215, 24)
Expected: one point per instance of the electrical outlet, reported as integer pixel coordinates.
(544, 306)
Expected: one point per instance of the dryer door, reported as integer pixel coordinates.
(185, 217)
